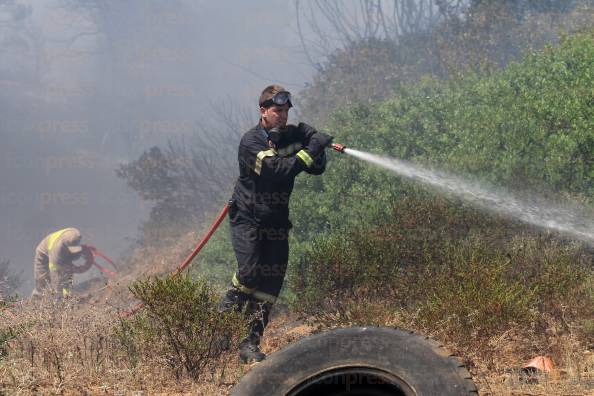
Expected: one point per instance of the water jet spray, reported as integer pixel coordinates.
(573, 222)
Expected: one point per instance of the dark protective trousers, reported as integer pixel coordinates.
(262, 254)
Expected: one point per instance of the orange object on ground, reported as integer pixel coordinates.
(540, 363)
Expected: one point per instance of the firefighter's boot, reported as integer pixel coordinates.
(233, 300)
(250, 352)
(249, 349)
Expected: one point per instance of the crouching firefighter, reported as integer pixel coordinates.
(53, 265)
(270, 156)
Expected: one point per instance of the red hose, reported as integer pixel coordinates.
(190, 257)
(205, 239)
(97, 253)
(108, 273)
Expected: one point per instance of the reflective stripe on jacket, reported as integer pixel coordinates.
(55, 247)
(267, 174)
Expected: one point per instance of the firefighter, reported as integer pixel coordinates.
(271, 155)
(53, 263)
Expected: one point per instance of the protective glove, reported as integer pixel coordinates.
(317, 143)
(278, 135)
(306, 130)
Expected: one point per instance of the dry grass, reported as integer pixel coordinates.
(501, 374)
(71, 348)
(574, 374)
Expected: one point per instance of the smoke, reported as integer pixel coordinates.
(88, 85)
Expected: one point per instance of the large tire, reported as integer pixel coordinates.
(370, 361)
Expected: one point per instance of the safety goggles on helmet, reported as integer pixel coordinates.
(279, 99)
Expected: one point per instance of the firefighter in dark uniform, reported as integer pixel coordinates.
(270, 156)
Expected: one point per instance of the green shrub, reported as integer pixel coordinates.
(479, 36)
(471, 294)
(180, 325)
(445, 269)
(375, 248)
(411, 236)
(528, 128)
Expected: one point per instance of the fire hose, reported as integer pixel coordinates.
(336, 146)
(191, 256)
(97, 253)
(94, 253)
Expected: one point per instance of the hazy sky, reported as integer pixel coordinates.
(84, 89)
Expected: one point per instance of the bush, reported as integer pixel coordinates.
(528, 128)
(450, 271)
(180, 326)
(475, 37)
(414, 233)
(377, 249)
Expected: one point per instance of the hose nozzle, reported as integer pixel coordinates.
(338, 147)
